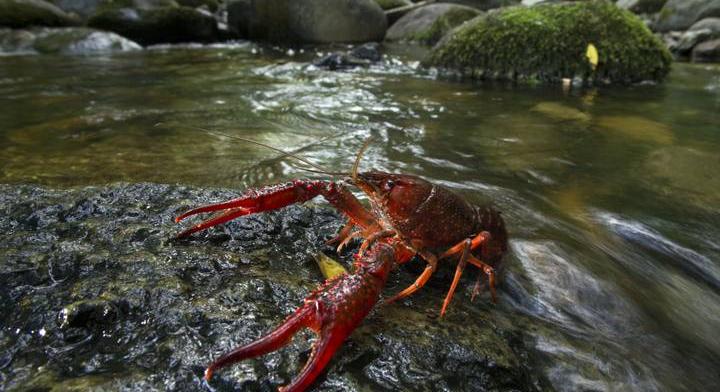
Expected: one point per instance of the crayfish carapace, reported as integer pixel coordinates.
(408, 216)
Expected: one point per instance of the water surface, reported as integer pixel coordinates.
(611, 194)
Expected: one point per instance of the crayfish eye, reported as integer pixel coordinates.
(389, 184)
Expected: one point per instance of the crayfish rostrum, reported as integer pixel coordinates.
(408, 216)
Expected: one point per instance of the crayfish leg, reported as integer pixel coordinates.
(458, 273)
(489, 271)
(420, 281)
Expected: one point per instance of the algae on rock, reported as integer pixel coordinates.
(548, 42)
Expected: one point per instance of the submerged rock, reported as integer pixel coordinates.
(65, 40)
(549, 42)
(158, 25)
(26, 13)
(430, 23)
(97, 294)
(360, 56)
(308, 21)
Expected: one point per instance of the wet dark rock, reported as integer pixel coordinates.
(307, 21)
(430, 23)
(98, 295)
(359, 56)
(158, 25)
(27, 13)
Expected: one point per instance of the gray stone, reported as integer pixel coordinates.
(87, 8)
(26, 13)
(313, 21)
(66, 40)
(429, 23)
(681, 14)
(707, 52)
(642, 6)
(690, 38)
(712, 24)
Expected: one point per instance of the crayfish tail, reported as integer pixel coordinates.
(273, 341)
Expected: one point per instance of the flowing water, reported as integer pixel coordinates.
(612, 195)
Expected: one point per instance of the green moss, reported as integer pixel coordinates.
(449, 20)
(549, 42)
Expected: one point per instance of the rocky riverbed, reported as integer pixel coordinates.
(98, 294)
(636, 32)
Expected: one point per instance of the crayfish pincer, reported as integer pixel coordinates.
(408, 216)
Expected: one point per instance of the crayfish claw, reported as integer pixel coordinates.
(273, 341)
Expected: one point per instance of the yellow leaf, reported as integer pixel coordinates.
(329, 267)
(592, 55)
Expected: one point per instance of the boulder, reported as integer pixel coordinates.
(26, 13)
(430, 23)
(311, 21)
(707, 52)
(642, 6)
(87, 8)
(158, 25)
(549, 42)
(712, 24)
(681, 14)
(65, 40)
(93, 276)
(689, 39)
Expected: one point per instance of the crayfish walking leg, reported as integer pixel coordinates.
(333, 311)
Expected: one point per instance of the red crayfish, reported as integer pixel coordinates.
(408, 216)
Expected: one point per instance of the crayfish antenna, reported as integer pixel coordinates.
(273, 341)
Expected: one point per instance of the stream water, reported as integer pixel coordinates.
(612, 195)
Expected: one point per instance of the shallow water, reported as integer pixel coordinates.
(611, 195)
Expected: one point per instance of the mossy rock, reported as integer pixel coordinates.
(429, 24)
(549, 42)
(161, 25)
(25, 13)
